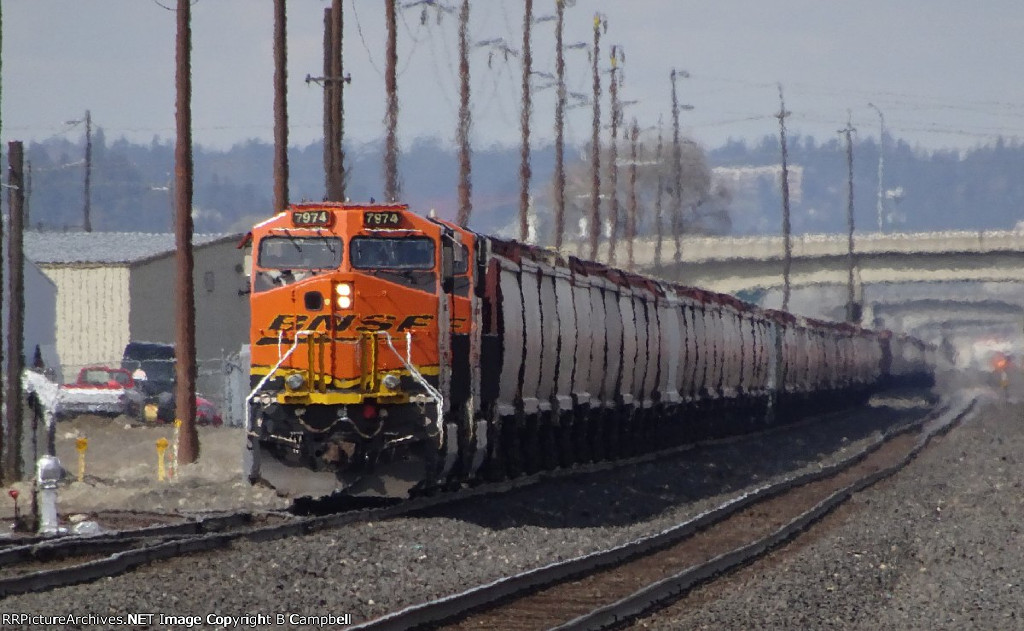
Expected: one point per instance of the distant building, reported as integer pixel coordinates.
(115, 287)
(40, 317)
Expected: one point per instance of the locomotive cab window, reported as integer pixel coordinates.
(300, 253)
(289, 259)
(392, 253)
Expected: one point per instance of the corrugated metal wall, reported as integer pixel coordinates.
(222, 313)
(92, 315)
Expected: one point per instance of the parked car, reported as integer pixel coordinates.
(153, 399)
(97, 390)
(161, 409)
(206, 413)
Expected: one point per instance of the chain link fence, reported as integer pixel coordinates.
(223, 381)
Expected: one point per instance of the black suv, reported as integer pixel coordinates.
(152, 366)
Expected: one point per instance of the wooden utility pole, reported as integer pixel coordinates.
(280, 106)
(337, 80)
(659, 195)
(677, 173)
(634, 135)
(392, 190)
(329, 157)
(4, 445)
(881, 167)
(524, 124)
(333, 81)
(787, 256)
(465, 120)
(185, 396)
(559, 126)
(613, 158)
(13, 466)
(595, 148)
(28, 194)
(852, 308)
(334, 92)
(87, 223)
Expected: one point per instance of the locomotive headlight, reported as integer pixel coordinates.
(295, 380)
(391, 381)
(344, 291)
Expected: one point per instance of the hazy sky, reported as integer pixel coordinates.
(945, 73)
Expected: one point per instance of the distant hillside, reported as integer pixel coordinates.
(980, 189)
(131, 184)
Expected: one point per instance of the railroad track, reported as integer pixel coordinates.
(37, 564)
(607, 588)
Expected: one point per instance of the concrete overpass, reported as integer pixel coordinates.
(959, 286)
(735, 264)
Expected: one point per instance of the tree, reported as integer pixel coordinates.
(705, 204)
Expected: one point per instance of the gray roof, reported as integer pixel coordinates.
(109, 248)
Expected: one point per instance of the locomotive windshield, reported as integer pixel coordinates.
(300, 253)
(392, 253)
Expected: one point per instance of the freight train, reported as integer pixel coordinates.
(395, 353)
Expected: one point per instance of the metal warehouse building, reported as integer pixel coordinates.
(40, 303)
(113, 288)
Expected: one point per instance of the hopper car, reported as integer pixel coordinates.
(396, 353)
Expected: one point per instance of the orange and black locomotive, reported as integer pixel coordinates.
(392, 351)
(349, 366)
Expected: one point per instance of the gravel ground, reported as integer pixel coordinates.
(370, 569)
(121, 473)
(939, 546)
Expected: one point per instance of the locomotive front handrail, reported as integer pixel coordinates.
(418, 377)
(266, 377)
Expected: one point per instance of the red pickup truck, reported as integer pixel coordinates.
(98, 390)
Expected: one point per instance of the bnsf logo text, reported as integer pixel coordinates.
(343, 323)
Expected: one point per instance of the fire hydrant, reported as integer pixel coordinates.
(48, 471)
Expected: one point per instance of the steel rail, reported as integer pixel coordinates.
(456, 606)
(670, 588)
(41, 549)
(128, 550)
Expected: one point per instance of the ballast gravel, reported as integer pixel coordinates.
(938, 546)
(367, 570)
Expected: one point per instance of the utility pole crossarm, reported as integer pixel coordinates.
(327, 80)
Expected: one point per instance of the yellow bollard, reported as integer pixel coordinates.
(161, 447)
(174, 448)
(81, 445)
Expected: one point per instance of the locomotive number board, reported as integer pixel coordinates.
(312, 218)
(381, 219)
